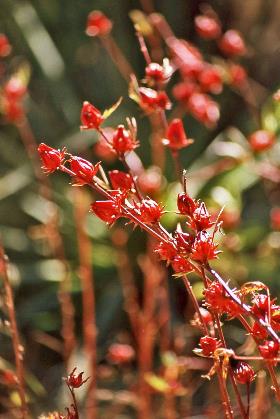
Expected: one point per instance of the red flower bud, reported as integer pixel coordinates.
(201, 219)
(52, 158)
(122, 141)
(183, 91)
(243, 373)
(98, 24)
(232, 43)
(260, 305)
(204, 109)
(207, 27)
(208, 345)
(166, 251)
(13, 111)
(14, 89)
(75, 380)
(269, 349)
(151, 100)
(186, 205)
(176, 136)
(83, 169)
(237, 74)
(120, 180)
(210, 79)
(120, 353)
(261, 140)
(5, 46)
(108, 211)
(181, 265)
(204, 248)
(91, 117)
(150, 211)
(258, 331)
(155, 72)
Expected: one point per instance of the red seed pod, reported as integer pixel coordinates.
(83, 169)
(183, 91)
(232, 43)
(184, 242)
(120, 353)
(260, 305)
(120, 180)
(122, 141)
(91, 117)
(75, 380)
(52, 158)
(208, 345)
(269, 349)
(150, 211)
(5, 46)
(176, 137)
(203, 248)
(166, 251)
(98, 24)
(258, 331)
(151, 100)
(181, 265)
(201, 219)
(108, 211)
(261, 140)
(238, 75)
(14, 89)
(203, 108)
(186, 205)
(207, 27)
(243, 373)
(210, 79)
(275, 218)
(215, 297)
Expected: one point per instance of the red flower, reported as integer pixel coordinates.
(52, 158)
(215, 297)
(237, 74)
(186, 205)
(204, 248)
(183, 91)
(91, 117)
(181, 265)
(232, 43)
(150, 211)
(204, 109)
(200, 218)
(83, 169)
(269, 349)
(208, 345)
(120, 180)
(120, 353)
(166, 251)
(75, 380)
(122, 141)
(13, 110)
(155, 72)
(98, 24)
(184, 242)
(5, 46)
(176, 135)
(207, 27)
(260, 305)
(14, 89)
(258, 331)
(151, 100)
(108, 211)
(261, 140)
(186, 57)
(210, 79)
(243, 373)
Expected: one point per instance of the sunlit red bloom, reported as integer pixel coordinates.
(120, 180)
(269, 349)
(184, 242)
(166, 251)
(203, 108)
(183, 91)
(203, 248)
(75, 380)
(83, 169)
(98, 24)
(210, 79)
(238, 75)
(261, 140)
(215, 296)
(260, 305)
(207, 27)
(5, 46)
(181, 265)
(14, 89)
(275, 218)
(151, 100)
(208, 345)
(186, 205)
(122, 141)
(155, 72)
(150, 211)
(176, 137)
(243, 373)
(108, 211)
(258, 331)
(200, 218)
(52, 158)
(120, 353)
(13, 111)
(232, 43)
(91, 117)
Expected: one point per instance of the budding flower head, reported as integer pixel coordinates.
(181, 265)
(52, 158)
(120, 180)
(75, 380)
(98, 24)
(109, 211)
(232, 43)
(5, 46)
(123, 141)
(261, 140)
(208, 345)
(243, 373)
(166, 251)
(150, 211)
(204, 109)
(158, 74)
(207, 27)
(151, 100)
(83, 169)
(269, 349)
(176, 137)
(186, 205)
(210, 79)
(91, 117)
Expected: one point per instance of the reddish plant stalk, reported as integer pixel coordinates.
(81, 205)
(17, 347)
